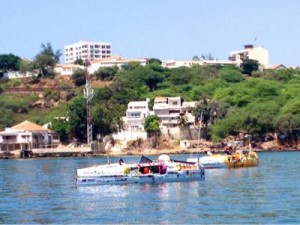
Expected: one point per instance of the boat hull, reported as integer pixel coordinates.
(182, 176)
(218, 161)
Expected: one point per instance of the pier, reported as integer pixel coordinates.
(47, 152)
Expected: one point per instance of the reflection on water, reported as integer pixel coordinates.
(44, 191)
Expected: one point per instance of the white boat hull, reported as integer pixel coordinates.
(180, 176)
(140, 173)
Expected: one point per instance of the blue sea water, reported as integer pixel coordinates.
(44, 191)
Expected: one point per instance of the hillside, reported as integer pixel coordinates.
(263, 104)
(39, 100)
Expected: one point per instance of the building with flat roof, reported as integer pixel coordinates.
(256, 53)
(189, 63)
(136, 113)
(169, 108)
(27, 136)
(117, 60)
(86, 50)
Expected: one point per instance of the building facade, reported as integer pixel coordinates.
(87, 51)
(27, 136)
(169, 108)
(67, 69)
(171, 64)
(256, 53)
(113, 61)
(136, 113)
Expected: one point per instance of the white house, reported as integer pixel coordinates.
(166, 108)
(112, 61)
(256, 53)
(16, 74)
(27, 136)
(169, 108)
(189, 63)
(179, 63)
(67, 69)
(136, 113)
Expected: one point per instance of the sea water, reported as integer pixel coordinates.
(44, 191)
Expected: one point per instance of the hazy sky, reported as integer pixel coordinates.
(164, 29)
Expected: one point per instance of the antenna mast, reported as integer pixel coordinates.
(88, 94)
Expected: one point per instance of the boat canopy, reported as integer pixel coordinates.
(144, 159)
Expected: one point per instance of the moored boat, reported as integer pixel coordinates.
(232, 160)
(145, 171)
(240, 159)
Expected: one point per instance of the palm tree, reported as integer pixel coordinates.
(182, 120)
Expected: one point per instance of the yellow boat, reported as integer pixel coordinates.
(232, 160)
(240, 159)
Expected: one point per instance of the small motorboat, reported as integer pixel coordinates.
(145, 171)
(233, 160)
(240, 159)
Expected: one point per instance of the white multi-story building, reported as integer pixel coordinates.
(136, 113)
(166, 108)
(169, 108)
(87, 51)
(256, 53)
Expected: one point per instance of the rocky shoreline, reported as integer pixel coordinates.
(164, 147)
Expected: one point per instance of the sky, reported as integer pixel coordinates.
(163, 29)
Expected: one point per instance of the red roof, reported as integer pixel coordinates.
(28, 126)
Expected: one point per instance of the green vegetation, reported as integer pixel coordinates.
(152, 125)
(79, 77)
(9, 62)
(232, 100)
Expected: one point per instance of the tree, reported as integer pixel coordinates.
(152, 125)
(26, 66)
(46, 60)
(79, 62)
(207, 56)
(106, 73)
(202, 112)
(154, 60)
(182, 120)
(196, 58)
(249, 65)
(107, 117)
(9, 62)
(6, 119)
(77, 119)
(62, 128)
(152, 79)
(208, 113)
(79, 77)
(231, 74)
(180, 75)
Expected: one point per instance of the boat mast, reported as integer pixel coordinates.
(250, 147)
(199, 136)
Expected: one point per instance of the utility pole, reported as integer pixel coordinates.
(88, 94)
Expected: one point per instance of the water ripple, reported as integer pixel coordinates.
(43, 191)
